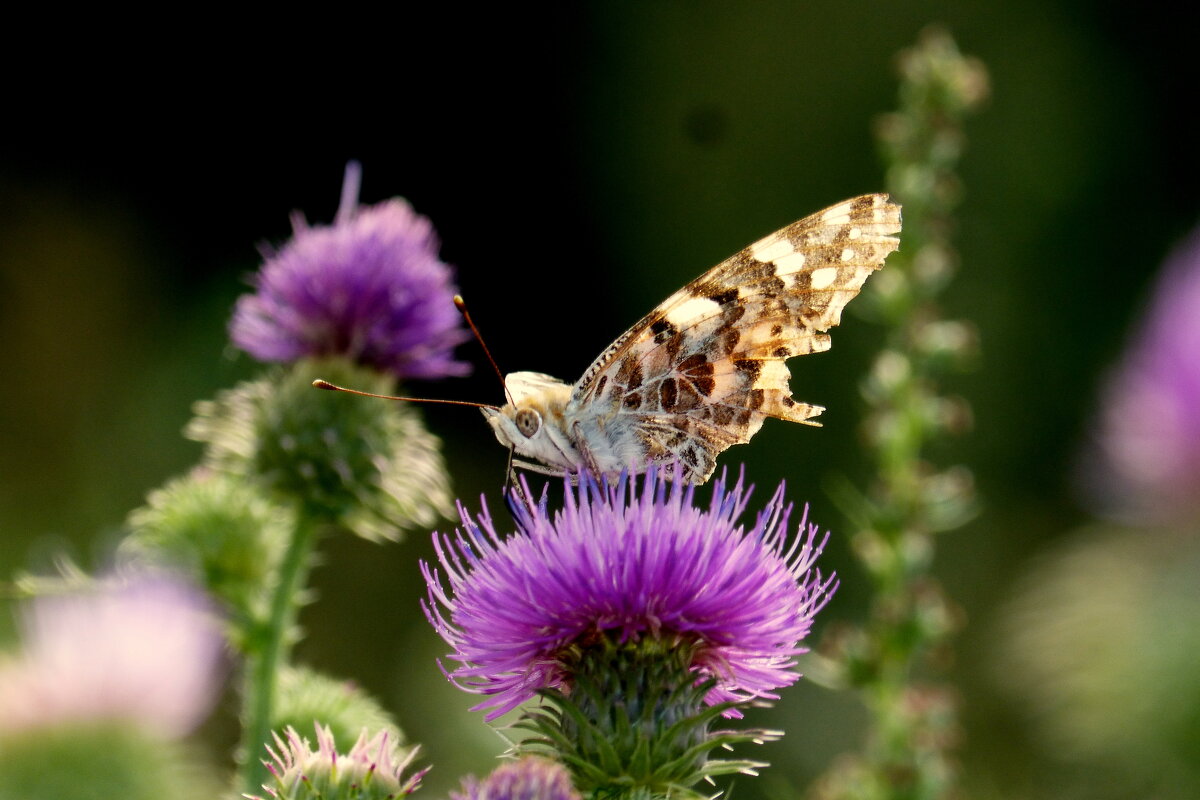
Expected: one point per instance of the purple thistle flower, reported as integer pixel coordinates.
(146, 650)
(629, 564)
(528, 778)
(370, 288)
(1148, 456)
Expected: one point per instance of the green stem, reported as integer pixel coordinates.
(262, 668)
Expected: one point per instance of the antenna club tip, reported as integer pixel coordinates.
(322, 384)
(459, 303)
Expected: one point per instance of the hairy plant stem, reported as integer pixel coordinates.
(269, 654)
(912, 727)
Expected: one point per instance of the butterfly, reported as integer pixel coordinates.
(703, 370)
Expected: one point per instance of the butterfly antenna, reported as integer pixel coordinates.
(461, 305)
(320, 384)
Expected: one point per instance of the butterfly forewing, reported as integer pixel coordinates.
(701, 371)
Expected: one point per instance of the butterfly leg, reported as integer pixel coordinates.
(540, 469)
(510, 476)
(515, 493)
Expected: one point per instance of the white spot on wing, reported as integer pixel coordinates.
(690, 309)
(770, 249)
(772, 373)
(823, 277)
(791, 262)
(848, 254)
(838, 215)
(725, 385)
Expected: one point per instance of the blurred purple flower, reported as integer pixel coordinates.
(146, 650)
(1147, 456)
(529, 778)
(630, 564)
(370, 288)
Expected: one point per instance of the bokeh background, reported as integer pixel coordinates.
(580, 163)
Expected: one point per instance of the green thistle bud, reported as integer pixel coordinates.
(368, 466)
(221, 532)
(305, 696)
(371, 770)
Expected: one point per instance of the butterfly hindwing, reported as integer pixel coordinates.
(704, 369)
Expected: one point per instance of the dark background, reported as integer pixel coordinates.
(579, 165)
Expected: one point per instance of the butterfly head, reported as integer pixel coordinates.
(532, 424)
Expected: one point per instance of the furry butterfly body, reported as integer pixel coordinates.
(703, 370)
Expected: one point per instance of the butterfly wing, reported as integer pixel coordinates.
(703, 370)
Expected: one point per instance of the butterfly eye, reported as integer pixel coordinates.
(528, 422)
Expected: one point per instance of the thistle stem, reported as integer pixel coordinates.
(265, 660)
(912, 725)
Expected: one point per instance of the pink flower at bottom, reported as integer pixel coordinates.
(146, 650)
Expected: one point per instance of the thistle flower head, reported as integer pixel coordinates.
(626, 564)
(373, 769)
(369, 288)
(372, 468)
(144, 650)
(527, 778)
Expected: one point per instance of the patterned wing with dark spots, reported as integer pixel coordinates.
(703, 370)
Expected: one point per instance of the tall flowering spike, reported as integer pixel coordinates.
(372, 770)
(370, 288)
(144, 650)
(1147, 459)
(640, 615)
(527, 778)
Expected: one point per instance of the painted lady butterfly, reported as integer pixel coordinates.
(703, 370)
